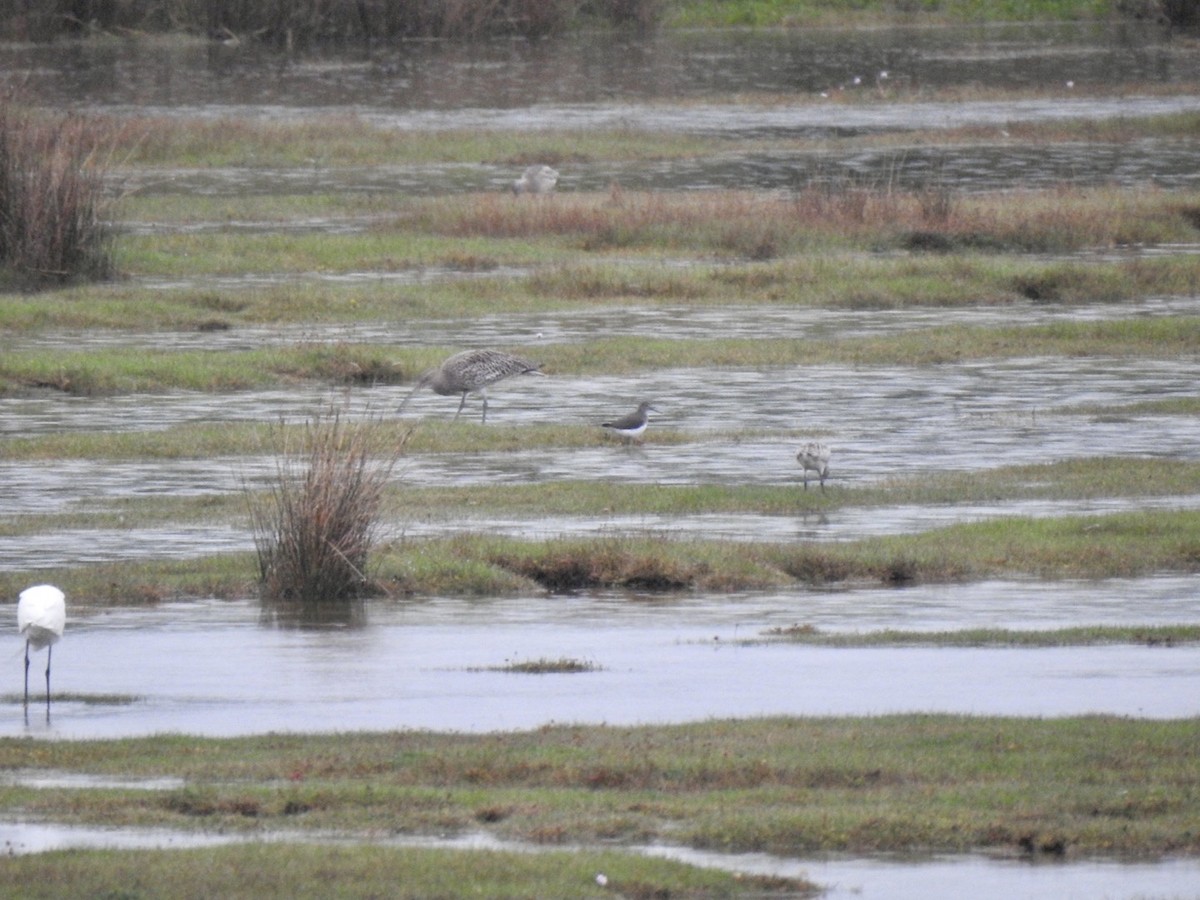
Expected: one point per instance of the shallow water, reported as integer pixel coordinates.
(603, 68)
(222, 668)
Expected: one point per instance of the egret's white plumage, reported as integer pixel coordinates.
(472, 372)
(632, 426)
(41, 618)
(814, 457)
(536, 180)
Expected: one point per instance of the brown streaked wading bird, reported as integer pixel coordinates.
(472, 372)
(814, 457)
(632, 426)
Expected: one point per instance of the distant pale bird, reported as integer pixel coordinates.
(41, 618)
(536, 180)
(632, 426)
(472, 372)
(814, 457)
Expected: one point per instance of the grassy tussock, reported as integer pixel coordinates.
(315, 532)
(52, 194)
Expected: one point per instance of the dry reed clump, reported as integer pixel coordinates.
(52, 196)
(314, 532)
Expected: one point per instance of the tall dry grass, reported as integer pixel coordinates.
(52, 196)
(314, 531)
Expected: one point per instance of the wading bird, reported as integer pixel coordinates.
(535, 180)
(632, 426)
(472, 372)
(41, 617)
(814, 457)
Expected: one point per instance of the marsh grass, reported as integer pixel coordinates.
(315, 533)
(1088, 786)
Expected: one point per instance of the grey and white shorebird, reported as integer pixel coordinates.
(472, 372)
(41, 618)
(814, 457)
(632, 426)
(535, 180)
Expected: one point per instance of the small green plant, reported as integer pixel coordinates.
(315, 528)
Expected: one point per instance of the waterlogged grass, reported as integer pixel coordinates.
(1091, 786)
(1134, 544)
(831, 280)
(122, 370)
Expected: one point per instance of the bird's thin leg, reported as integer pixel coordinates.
(461, 404)
(483, 394)
(27, 674)
(404, 402)
(48, 652)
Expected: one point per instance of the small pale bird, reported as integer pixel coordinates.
(814, 457)
(41, 618)
(535, 180)
(472, 372)
(632, 426)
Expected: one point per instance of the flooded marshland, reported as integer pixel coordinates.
(223, 668)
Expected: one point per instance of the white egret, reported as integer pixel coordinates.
(41, 617)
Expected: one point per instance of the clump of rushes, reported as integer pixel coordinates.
(315, 528)
(52, 195)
